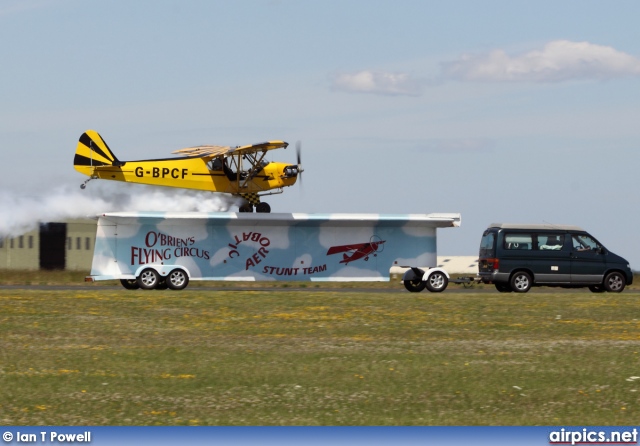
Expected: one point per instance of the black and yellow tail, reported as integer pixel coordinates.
(92, 152)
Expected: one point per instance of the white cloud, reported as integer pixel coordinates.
(376, 82)
(557, 61)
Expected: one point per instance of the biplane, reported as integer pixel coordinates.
(358, 251)
(241, 171)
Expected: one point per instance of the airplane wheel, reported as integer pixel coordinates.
(246, 208)
(263, 207)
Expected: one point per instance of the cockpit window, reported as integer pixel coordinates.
(216, 164)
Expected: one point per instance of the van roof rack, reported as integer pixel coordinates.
(538, 226)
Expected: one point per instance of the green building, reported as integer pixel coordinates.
(66, 245)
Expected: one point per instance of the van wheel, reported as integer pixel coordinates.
(521, 282)
(503, 287)
(614, 282)
(130, 284)
(415, 285)
(437, 282)
(177, 279)
(148, 279)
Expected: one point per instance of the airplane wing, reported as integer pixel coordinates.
(345, 248)
(203, 151)
(212, 151)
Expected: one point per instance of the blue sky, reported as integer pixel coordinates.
(504, 111)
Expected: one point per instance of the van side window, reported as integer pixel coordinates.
(518, 241)
(584, 243)
(553, 242)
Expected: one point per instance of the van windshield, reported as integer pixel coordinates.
(487, 245)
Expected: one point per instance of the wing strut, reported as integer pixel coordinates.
(256, 166)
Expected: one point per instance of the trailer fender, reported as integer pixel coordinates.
(414, 273)
(432, 270)
(436, 280)
(162, 270)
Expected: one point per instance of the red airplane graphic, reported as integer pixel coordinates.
(358, 250)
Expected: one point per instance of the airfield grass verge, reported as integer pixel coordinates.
(77, 278)
(304, 357)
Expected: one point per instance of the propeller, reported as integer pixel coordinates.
(299, 159)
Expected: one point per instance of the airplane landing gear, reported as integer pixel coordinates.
(263, 207)
(84, 185)
(260, 207)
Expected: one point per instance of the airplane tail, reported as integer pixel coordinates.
(92, 152)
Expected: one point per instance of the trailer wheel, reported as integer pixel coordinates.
(148, 279)
(177, 279)
(162, 284)
(437, 282)
(415, 285)
(130, 284)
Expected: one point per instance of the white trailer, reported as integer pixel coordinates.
(167, 250)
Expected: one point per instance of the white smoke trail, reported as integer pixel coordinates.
(19, 214)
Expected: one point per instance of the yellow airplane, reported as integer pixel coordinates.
(240, 171)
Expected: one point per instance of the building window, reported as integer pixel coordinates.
(87, 243)
(21, 242)
(1, 243)
(11, 243)
(69, 243)
(78, 243)
(31, 242)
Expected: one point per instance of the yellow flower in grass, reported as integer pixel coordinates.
(181, 376)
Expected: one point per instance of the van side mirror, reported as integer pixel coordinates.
(601, 250)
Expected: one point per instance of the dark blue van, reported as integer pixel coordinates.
(515, 257)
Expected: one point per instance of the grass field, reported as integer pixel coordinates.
(106, 356)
